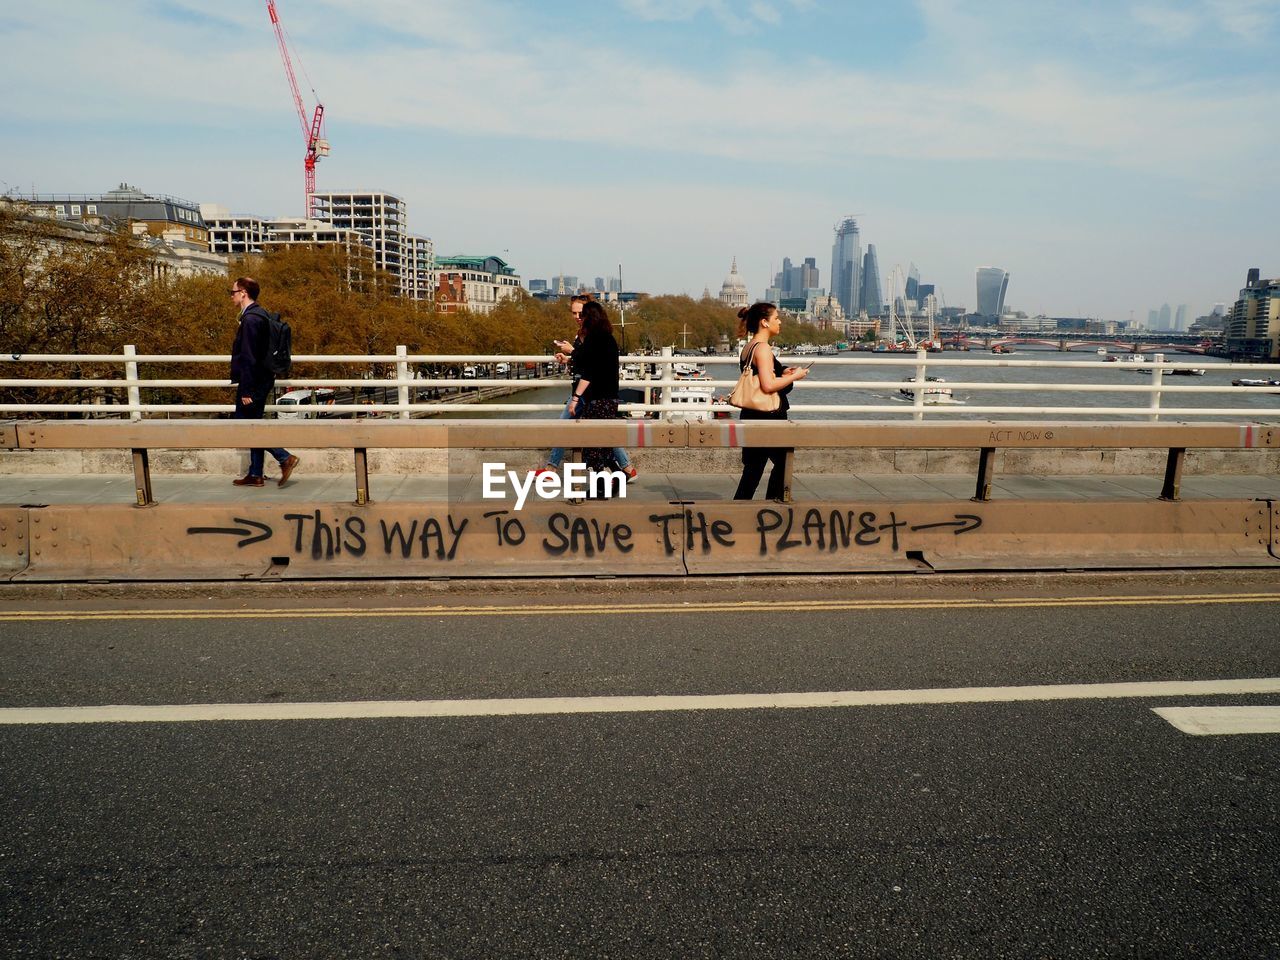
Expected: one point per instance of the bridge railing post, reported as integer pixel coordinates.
(921, 381)
(402, 373)
(131, 378)
(1157, 379)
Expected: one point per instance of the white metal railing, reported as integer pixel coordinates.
(405, 382)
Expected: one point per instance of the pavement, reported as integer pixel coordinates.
(659, 487)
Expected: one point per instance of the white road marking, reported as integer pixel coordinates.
(1218, 721)
(372, 709)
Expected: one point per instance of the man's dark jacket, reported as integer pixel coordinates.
(249, 352)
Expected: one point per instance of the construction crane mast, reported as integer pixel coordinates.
(312, 130)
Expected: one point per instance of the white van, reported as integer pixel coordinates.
(304, 403)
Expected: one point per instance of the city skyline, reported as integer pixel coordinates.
(1083, 158)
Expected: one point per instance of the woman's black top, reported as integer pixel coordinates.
(596, 361)
(783, 403)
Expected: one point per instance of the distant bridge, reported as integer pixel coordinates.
(1148, 343)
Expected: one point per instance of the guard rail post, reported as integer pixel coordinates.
(402, 373)
(1173, 474)
(131, 379)
(1157, 379)
(986, 469)
(921, 379)
(142, 477)
(362, 476)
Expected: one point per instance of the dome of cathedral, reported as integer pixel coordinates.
(733, 292)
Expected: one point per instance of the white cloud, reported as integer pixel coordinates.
(1246, 19)
(1166, 23)
(765, 12)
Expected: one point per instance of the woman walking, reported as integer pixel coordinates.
(566, 354)
(595, 364)
(761, 322)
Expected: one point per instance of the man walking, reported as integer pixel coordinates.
(253, 378)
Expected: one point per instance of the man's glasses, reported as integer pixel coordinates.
(233, 291)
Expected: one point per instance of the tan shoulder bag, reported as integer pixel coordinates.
(747, 395)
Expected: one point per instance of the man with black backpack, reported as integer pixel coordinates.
(258, 355)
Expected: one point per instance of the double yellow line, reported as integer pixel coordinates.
(673, 607)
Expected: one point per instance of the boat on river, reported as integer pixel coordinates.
(934, 391)
(695, 397)
(1254, 382)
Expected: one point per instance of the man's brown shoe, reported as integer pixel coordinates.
(248, 481)
(286, 469)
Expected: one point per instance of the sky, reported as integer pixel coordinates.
(1112, 156)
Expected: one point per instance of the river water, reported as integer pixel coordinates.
(962, 369)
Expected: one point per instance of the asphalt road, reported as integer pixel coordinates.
(1089, 827)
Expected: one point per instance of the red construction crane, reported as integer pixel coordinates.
(313, 131)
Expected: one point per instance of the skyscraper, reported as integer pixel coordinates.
(992, 284)
(912, 291)
(846, 266)
(1166, 317)
(870, 298)
(793, 281)
(1180, 318)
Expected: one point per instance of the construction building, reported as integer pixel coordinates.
(380, 217)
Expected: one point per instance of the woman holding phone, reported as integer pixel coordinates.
(761, 322)
(566, 353)
(595, 363)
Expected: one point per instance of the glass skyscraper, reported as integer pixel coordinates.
(871, 301)
(846, 266)
(992, 284)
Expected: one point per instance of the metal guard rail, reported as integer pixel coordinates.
(918, 363)
(359, 436)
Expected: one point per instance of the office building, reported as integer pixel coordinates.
(474, 283)
(1253, 327)
(127, 206)
(1164, 320)
(846, 266)
(792, 281)
(992, 285)
(870, 298)
(171, 252)
(1180, 318)
(911, 290)
(537, 286)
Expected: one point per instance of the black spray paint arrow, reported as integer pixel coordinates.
(237, 531)
(964, 522)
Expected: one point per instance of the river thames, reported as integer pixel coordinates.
(961, 368)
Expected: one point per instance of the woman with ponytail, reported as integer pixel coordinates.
(761, 322)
